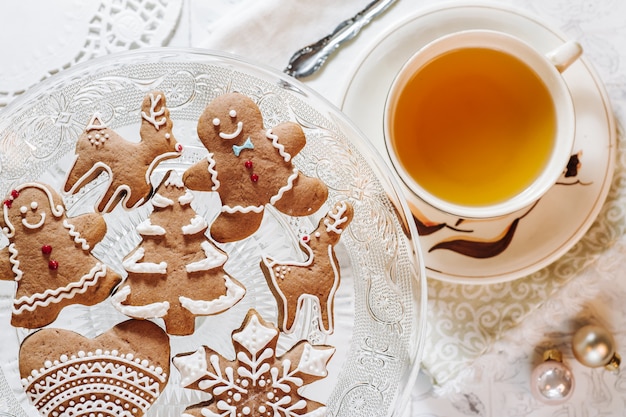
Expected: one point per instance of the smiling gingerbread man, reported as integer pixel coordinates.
(49, 256)
(250, 166)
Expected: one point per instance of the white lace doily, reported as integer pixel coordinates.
(65, 32)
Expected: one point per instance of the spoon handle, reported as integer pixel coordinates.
(309, 59)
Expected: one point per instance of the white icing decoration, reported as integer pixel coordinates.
(23, 209)
(192, 367)
(95, 123)
(213, 259)
(186, 199)
(255, 336)
(72, 385)
(196, 225)
(240, 209)
(216, 122)
(15, 262)
(76, 235)
(213, 172)
(279, 147)
(152, 117)
(234, 293)
(146, 228)
(122, 189)
(313, 361)
(33, 226)
(34, 205)
(336, 219)
(49, 296)
(161, 202)
(232, 113)
(286, 187)
(234, 134)
(131, 264)
(148, 311)
(56, 211)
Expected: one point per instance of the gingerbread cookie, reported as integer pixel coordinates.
(128, 164)
(316, 278)
(49, 256)
(250, 166)
(119, 373)
(257, 383)
(176, 273)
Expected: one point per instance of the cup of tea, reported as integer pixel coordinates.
(480, 124)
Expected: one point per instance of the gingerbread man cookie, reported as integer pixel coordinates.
(176, 273)
(250, 166)
(128, 164)
(49, 256)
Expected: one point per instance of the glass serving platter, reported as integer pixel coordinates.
(380, 303)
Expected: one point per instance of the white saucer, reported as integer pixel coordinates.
(538, 236)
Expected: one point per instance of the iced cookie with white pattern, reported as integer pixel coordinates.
(258, 382)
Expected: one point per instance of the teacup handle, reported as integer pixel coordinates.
(563, 56)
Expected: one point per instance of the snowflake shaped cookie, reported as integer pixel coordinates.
(257, 382)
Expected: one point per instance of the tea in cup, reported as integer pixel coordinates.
(480, 124)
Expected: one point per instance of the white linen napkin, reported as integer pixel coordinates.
(270, 31)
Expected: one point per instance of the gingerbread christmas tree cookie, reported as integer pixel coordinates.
(176, 273)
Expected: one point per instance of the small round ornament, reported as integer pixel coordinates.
(594, 346)
(552, 382)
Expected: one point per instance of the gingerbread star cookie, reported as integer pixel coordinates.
(257, 382)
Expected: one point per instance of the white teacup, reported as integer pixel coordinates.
(480, 124)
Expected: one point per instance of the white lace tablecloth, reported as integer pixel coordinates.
(477, 359)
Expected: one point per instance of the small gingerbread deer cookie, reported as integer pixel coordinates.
(250, 166)
(316, 278)
(49, 256)
(129, 164)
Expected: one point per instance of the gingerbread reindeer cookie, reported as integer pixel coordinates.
(317, 277)
(49, 256)
(250, 166)
(128, 164)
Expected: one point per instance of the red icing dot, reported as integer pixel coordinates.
(8, 203)
(46, 249)
(179, 147)
(54, 265)
(254, 177)
(248, 164)
(15, 194)
(306, 238)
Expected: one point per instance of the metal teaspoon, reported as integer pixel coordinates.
(309, 59)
